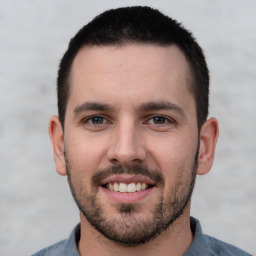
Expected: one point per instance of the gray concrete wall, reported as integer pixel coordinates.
(36, 208)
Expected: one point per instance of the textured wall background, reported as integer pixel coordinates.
(36, 208)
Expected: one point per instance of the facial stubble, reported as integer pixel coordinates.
(129, 229)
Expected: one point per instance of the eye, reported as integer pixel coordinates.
(159, 120)
(96, 120)
(160, 123)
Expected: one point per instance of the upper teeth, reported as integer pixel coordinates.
(124, 188)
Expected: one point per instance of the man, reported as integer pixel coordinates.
(132, 134)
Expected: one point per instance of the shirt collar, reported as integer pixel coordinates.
(198, 246)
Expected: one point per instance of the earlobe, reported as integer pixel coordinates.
(57, 138)
(208, 139)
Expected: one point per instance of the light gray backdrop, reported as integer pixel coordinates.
(36, 208)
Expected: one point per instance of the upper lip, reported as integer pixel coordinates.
(128, 179)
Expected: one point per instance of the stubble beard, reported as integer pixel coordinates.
(128, 229)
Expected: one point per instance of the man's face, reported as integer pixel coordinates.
(131, 139)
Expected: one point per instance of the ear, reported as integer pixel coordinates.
(208, 138)
(57, 138)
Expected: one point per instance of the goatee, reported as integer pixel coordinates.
(129, 229)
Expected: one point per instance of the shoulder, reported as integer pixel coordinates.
(204, 245)
(64, 247)
(218, 247)
(53, 250)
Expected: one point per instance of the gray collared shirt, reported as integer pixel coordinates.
(203, 245)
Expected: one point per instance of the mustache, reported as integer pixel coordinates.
(134, 169)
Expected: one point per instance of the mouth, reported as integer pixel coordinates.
(127, 188)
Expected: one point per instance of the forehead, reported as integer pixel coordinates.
(129, 70)
(167, 58)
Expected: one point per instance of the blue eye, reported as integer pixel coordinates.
(96, 120)
(96, 123)
(159, 120)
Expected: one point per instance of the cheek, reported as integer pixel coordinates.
(172, 152)
(173, 156)
(84, 152)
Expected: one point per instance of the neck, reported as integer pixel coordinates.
(174, 241)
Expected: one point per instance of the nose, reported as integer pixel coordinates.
(127, 145)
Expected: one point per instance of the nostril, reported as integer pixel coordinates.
(114, 161)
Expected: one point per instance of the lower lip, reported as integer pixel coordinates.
(127, 197)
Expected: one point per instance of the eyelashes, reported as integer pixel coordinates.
(102, 122)
(96, 120)
(160, 120)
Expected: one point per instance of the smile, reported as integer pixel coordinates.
(127, 188)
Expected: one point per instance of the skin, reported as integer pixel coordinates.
(126, 78)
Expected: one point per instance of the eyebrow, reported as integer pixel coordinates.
(144, 107)
(160, 105)
(92, 106)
